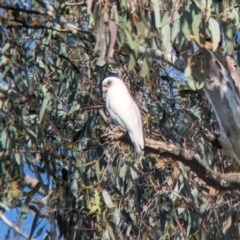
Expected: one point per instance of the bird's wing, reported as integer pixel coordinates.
(114, 114)
(125, 112)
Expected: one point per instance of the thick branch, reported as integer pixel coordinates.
(222, 93)
(234, 72)
(217, 180)
(220, 181)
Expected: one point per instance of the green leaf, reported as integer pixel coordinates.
(41, 64)
(186, 25)
(5, 203)
(144, 236)
(17, 157)
(120, 38)
(123, 3)
(34, 224)
(180, 210)
(166, 36)
(134, 218)
(39, 231)
(175, 29)
(204, 207)
(156, 9)
(141, 29)
(129, 39)
(114, 14)
(34, 190)
(236, 18)
(97, 198)
(145, 69)
(165, 19)
(194, 193)
(32, 134)
(123, 171)
(132, 62)
(195, 27)
(97, 171)
(44, 106)
(105, 235)
(134, 174)
(228, 32)
(5, 47)
(107, 199)
(74, 188)
(215, 32)
(110, 231)
(116, 216)
(129, 228)
(100, 62)
(189, 78)
(94, 209)
(200, 85)
(23, 214)
(195, 111)
(4, 138)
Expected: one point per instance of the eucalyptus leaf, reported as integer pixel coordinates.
(215, 32)
(188, 77)
(196, 27)
(44, 106)
(107, 199)
(155, 5)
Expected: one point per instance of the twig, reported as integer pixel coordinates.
(4, 6)
(13, 226)
(53, 12)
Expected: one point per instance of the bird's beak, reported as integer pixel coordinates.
(104, 91)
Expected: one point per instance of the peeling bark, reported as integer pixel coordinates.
(222, 93)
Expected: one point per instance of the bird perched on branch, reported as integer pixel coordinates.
(123, 110)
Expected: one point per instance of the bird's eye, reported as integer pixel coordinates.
(109, 83)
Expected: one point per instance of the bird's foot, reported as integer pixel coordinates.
(114, 133)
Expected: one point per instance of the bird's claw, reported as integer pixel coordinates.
(114, 133)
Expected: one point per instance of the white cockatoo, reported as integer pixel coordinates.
(123, 110)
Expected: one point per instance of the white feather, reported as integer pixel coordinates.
(123, 110)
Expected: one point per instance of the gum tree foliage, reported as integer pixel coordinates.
(58, 167)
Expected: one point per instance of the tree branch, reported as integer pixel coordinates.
(52, 12)
(169, 57)
(13, 226)
(234, 72)
(222, 92)
(36, 27)
(16, 9)
(220, 181)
